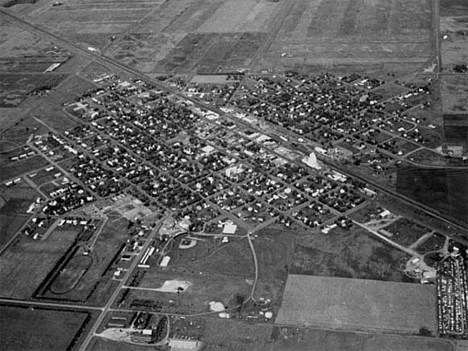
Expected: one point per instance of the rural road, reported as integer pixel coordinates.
(49, 304)
(116, 292)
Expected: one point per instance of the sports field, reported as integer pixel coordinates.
(358, 304)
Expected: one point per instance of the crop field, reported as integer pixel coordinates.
(308, 339)
(359, 32)
(210, 52)
(358, 304)
(442, 189)
(8, 31)
(31, 260)
(453, 7)
(347, 254)
(155, 36)
(51, 330)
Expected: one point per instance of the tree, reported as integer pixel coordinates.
(423, 331)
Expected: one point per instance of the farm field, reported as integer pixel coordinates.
(308, 339)
(347, 254)
(358, 33)
(454, 93)
(358, 304)
(57, 334)
(453, 7)
(445, 190)
(31, 260)
(153, 35)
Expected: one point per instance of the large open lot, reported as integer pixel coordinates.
(348, 254)
(210, 36)
(308, 339)
(358, 32)
(36, 329)
(442, 189)
(26, 264)
(358, 304)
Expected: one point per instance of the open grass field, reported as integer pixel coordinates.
(15, 201)
(26, 264)
(405, 232)
(26, 329)
(454, 47)
(231, 335)
(16, 126)
(15, 88)
(100, 344)
(445, 190)
(27, 44)
(347, 254)
(454, 93)
(358, 32)
(358, 304)
(9, 225)
(308, 339)
(205, 287)
(13, 169)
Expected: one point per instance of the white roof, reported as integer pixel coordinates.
(165, 261)
(229, 229)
